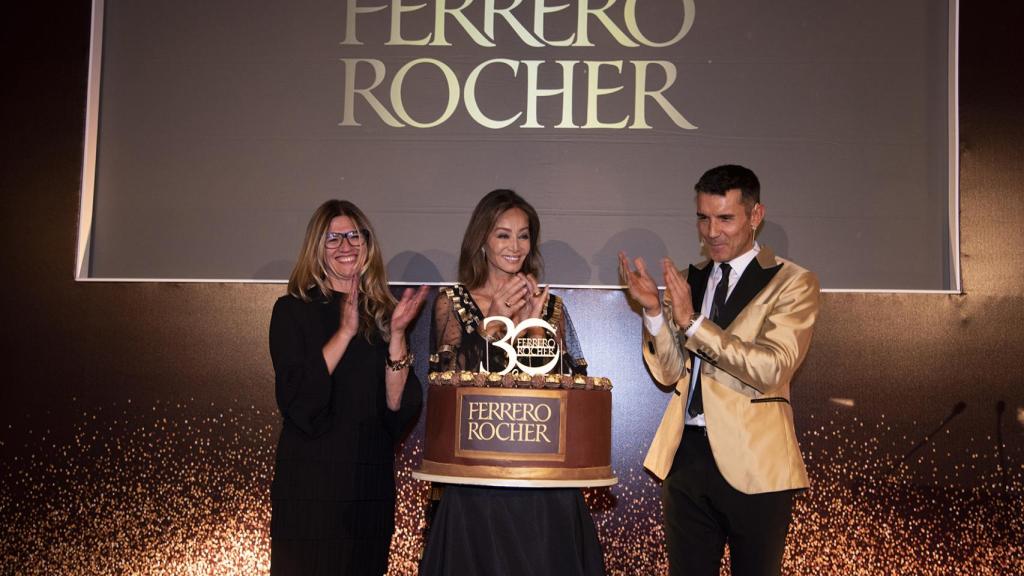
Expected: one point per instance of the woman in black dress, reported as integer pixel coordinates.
(479, 530)
(346, 392)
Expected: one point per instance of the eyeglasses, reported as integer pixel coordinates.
(356, 238)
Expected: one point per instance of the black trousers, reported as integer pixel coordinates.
(703, 513)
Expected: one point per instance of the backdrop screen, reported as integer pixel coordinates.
(216, 128)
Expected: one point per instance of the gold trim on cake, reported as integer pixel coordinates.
(517, 473)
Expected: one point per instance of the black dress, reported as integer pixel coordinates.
(483, 530)
(333, 493)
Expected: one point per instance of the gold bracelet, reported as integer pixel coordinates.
(400, 364)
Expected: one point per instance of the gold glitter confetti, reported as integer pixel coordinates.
(183, 488)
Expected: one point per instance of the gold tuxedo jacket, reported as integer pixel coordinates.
(748, 362)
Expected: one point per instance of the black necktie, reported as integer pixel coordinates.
(717, 303)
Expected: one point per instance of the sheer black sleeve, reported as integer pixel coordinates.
(572, 352)
(445, 334)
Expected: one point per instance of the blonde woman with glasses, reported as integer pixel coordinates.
(346, 392)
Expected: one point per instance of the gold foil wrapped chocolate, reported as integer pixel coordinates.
(519, 380)
(523, 380)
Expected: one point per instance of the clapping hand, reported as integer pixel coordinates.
(677, 293)
(407, 309)
(511, 298)
(644, 291)
(349, 324)
(534, 301)
(640, 285)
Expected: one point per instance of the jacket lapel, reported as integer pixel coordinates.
(697, 277)
(757, 275)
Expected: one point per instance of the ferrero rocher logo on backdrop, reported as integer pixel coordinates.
(513, 424)
(501, 35)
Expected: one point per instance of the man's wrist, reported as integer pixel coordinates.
(653, 313)
(653, 323)
(692, 324)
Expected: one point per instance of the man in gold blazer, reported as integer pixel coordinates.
(732, 332)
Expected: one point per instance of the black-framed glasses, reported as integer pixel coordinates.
(356, 238)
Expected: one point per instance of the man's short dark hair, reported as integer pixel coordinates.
(721, 179)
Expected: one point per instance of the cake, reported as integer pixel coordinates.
(518, 429)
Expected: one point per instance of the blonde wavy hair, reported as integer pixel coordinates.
(311, 269)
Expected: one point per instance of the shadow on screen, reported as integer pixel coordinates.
(274, 270)
(773, 235)
(411, 266)
(563, 264)
(634, 242)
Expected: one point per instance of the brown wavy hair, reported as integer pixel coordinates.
(472, 263)
(310, 273)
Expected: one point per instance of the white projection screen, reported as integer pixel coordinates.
(215, 128)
